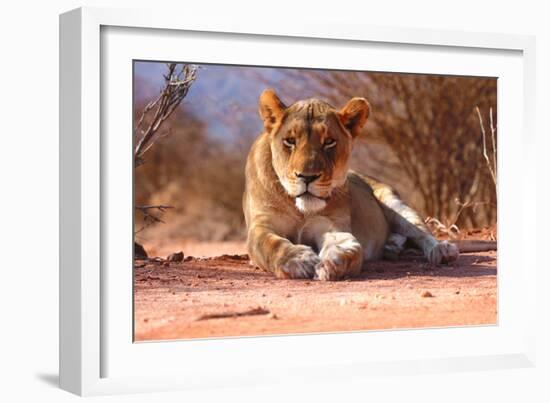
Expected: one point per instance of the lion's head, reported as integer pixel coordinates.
(311, 143)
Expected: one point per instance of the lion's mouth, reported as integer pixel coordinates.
(307, 193)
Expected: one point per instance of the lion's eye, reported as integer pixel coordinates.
(329, 143)
(289, 142)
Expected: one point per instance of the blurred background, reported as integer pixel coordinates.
(424, 137)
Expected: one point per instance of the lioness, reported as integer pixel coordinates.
(307, 214)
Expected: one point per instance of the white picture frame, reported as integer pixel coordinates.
(91, 329)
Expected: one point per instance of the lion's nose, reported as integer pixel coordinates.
(307, 178)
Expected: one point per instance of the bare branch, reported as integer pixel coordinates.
(492, 166)
(493, 136)
(150, 218)
(177, 83)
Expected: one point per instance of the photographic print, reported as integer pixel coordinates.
(275, 201)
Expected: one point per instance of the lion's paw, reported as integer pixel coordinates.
(341, 256)
(443, 252)
(332, 269)
(300, 264)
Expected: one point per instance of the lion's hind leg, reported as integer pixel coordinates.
(394, 247)
(406, 224)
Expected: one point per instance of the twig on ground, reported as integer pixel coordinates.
(439, 228)
(475, 245)
(452, 230)
(251, 312)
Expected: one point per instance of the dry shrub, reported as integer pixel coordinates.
(201, 177)
(423, 136)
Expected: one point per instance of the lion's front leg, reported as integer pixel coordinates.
(298, 261)
(280, 256)
(341, 256)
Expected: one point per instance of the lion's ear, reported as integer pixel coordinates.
(354, 115)
(271, 108)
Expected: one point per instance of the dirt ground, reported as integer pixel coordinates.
(225, 296)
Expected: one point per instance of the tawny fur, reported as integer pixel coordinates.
(307, 214)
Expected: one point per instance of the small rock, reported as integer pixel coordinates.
(288, 295)
(457, 292)
(165, 264)
(426, 294)
(139, 251)
(342, 302)
(273, 316)
(175, 257)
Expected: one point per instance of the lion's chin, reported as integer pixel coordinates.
(308, 204)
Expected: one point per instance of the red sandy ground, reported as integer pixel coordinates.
(173, 300)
